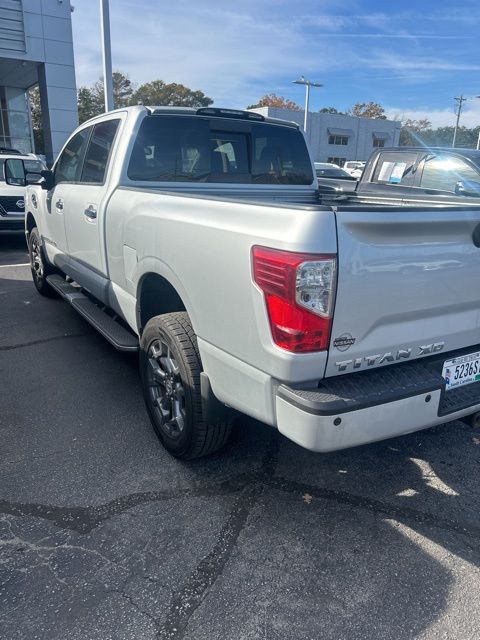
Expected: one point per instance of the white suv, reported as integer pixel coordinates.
(12, 197)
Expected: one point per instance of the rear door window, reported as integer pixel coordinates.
(197, 149)
(396, 169)
(447, 173)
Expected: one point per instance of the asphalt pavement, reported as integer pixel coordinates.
(104, 536)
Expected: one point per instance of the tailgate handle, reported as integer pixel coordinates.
(476, 236)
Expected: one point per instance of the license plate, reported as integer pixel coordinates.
(462, 370)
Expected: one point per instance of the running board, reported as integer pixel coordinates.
(121, 338)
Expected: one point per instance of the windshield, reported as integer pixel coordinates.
(333, 172)
(197, 149)
(355, 165)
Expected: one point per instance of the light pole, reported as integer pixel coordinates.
(107, 55)
(478, 139)
(460, 99)
(307, 84)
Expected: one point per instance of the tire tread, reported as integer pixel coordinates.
(208, 437)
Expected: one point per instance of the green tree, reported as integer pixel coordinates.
(122, 91)
(36, 114)
(367, 110)
(331, 110)
(272, 100)
(158, 92)
(420, 133)
(413, 132)
(88, 104)
(443, 137)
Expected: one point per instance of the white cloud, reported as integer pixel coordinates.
(470, 116)
(236, 52)
(234, 55)
(381, 59)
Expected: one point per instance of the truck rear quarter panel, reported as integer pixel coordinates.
(203, 248)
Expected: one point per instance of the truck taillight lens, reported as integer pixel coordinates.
(299, 290)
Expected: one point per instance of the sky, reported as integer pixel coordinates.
(412, 57)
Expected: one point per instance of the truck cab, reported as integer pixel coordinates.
(445, 175)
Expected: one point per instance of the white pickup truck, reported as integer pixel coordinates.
(197, 238)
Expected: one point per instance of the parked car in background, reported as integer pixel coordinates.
(330, 170)
(354, 168)
(331, 176)
(12, 197)
(409, 175)
(446, 175)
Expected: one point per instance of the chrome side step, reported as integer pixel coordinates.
(120, 337)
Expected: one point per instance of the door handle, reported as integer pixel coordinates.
(59, 205)
(90, 212)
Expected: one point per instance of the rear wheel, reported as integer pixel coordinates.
(39, 266)
(170, 369)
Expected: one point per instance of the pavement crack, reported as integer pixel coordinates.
(52, 454)
(85, 519)
(135, 605)
(186, 601)
(32, 343)
(401, 513)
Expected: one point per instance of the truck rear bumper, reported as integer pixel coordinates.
(355, 409)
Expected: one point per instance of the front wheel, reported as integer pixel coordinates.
(39, 266)
(170, 369)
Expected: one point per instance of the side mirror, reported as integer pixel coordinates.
(16, 175)
(48, 179)
(15, 172)
(469, 189)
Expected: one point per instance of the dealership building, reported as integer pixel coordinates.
(336, 138)
(36, 48)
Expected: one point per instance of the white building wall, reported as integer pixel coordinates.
(360, 142)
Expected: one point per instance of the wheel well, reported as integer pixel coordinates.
(156, 296)
(30, 223)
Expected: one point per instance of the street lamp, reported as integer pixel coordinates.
(107, 55)
(307, 84)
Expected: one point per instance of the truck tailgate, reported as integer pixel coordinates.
(408, 286)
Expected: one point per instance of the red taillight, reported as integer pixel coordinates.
(299, 290)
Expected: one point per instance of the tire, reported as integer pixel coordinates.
(39, 267)
(170, 370)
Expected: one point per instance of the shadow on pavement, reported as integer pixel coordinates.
(13, 248)
(104, 535)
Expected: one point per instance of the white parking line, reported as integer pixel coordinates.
(23, 264)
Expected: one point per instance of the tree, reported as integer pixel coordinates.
(413, 132)
(37, 123)
(443, 137)
(160, 93)
(122, 90)
(272, 100)
(367, 110)
(331, 110)
(88, 104)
